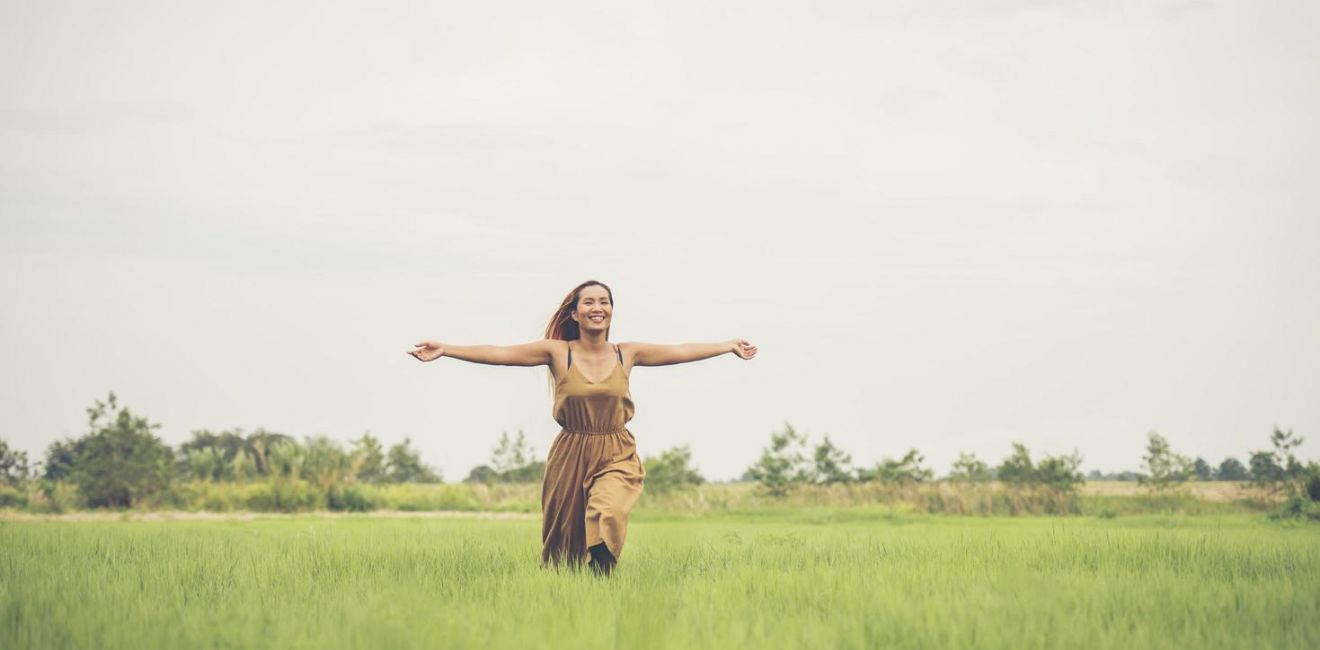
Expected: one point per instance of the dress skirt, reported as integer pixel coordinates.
(592, 480)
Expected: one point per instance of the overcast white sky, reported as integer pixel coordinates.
(948, 225)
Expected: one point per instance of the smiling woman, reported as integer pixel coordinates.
(593, 475)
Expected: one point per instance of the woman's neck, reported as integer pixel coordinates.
(593, 341)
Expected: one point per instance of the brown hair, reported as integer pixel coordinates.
(562, 326)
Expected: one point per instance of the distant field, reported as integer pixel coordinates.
(812, 577)
(1221, 491)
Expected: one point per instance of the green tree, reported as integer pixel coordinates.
(60, 456)
(1231, 469)
(514, 461)
(510, 454)
(782, 465)
(1061, 472)
(227, 443)
(325, 463)
(367, 459)
(205, 463)
(1018, 468)
(404, 465)
(831, 464)
(120, 462)
(671, 469)
(259, 443)
(1278, 469)
(532, 472)
(1202, 470)
(1265, 472)
(969, 468)
(286, 459)
(13, 465)
(1055, 472)
(482, 474)
(1164, 468)
(242, 468)
(907, 469)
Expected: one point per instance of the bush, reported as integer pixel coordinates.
(907, 469)
(349, 498)
(12, 497)
(671, 469)
(969, 468)
(1055, 472)
(782, 465)
(1296, 507)
(53, 497)
(418, 497)
(290, 495)
(832, 465)
(404, 465)
(1164, 468)
(13, 465)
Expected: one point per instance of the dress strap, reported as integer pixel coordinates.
(620, 353)
(570, 354)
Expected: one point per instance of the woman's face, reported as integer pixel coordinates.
(593, 309)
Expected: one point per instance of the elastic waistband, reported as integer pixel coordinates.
(595, 433)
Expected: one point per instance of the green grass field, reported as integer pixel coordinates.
(844, 578)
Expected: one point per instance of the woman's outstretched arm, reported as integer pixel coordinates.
(652, 354)
(536, 353)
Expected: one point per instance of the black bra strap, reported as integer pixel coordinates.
(570, 355)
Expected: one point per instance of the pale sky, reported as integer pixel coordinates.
(947, 225)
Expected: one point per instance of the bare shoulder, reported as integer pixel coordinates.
(631, 351)
(557, 349)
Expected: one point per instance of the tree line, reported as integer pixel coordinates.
(789, 461)
(120, 462)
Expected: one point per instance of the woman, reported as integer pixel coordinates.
(593, 475)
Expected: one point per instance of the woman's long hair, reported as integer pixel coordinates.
(563, 327)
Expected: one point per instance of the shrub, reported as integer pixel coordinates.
(1060, 473)
(1164, 469)
(405, 465)
(121, 463)
(12, 497)
(13, 465)
(290, 495)
(832, 465)
(53, 497)
(907, 469)
(368, 459)
(348, 497)
(782, 465)
(1231, 469)
(969, 468)
(671, 469)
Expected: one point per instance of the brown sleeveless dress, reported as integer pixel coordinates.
(593, 475)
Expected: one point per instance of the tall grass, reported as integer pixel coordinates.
(868, 579)
(943, 497)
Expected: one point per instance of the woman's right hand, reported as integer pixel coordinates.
(427, 351)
